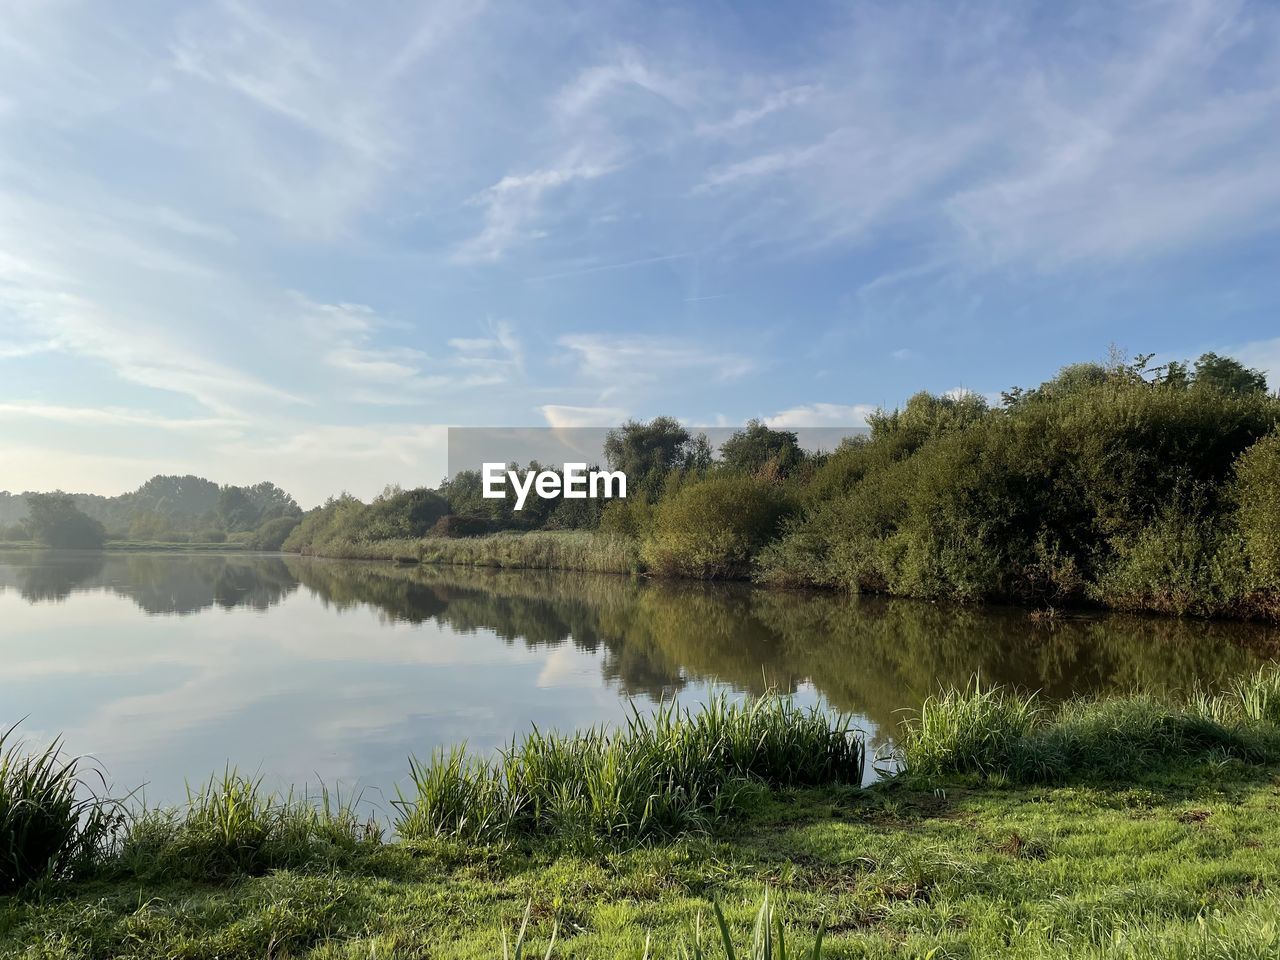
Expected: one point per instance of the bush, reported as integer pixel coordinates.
(714, 528)
(1257, 493)
(272, 535)
(210, 536)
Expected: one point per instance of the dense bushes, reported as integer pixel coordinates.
(714, 527)
(1097, 486)
(344, 522)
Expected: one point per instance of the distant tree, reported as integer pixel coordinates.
(56, 521)
(1228, 375)
(236, 509)
(751, 449)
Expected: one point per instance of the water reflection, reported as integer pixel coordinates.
(169, 665)
(866, 655)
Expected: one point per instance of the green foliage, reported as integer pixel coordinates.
(51, 823)
(647, 452)
(715, 527)
(661, 775)
(271, 536)
(1228, 375)
(1257, 493)
(1097, 486)
(56, 522)
(757, 448)
(346, 527)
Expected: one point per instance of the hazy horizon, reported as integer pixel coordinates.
(285, 246)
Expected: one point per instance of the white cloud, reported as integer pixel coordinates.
(563, 416)
(822, 415)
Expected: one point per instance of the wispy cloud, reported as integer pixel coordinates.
(634, 361)
(511, 206)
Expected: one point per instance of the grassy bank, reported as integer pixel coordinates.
(1122, 828)
(578, 550)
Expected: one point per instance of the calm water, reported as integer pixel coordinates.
(167, 666)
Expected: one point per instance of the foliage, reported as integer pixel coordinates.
(758, 447)
(1100, 485)
(1257, 493)
(270, 537)
(647, 452)
(714, 527)
(56, 522)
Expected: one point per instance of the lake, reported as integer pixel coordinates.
(166, 667)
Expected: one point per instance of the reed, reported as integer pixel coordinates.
(231, 826)
(995, 733)
(587, 551)
(663, 774)
(52, 822)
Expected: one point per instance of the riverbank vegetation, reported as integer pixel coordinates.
(1116, 828)
(1113, 484)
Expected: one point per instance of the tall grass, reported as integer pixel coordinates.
(674, 771)
(587, 551)
(231, 826)
(52, 823)
(998, 733)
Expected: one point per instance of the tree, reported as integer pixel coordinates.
(1228, 375)
(57, 522)
(647, 452)
(749, 450)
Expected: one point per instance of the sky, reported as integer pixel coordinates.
(294, 241)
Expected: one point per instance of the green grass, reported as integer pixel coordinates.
(1121, 828)
(661, 775)
(1184, 865)
(1002, 734)
(52, 825)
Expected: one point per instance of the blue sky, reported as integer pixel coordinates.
(289, 241)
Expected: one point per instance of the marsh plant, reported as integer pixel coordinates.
(659, 775)
(998, 733)
(53, 823)
(232, 826)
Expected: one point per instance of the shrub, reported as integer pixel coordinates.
(272, 535)
(714, 528)
(210, 536)
(1257, 493)
(453, 525)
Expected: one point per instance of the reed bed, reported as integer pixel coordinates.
(587, 551)
(672, 772)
